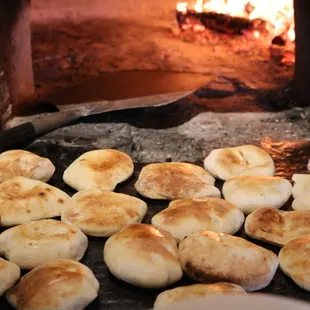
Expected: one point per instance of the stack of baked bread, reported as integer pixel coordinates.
(193, 235)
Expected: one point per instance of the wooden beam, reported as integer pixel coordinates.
(302, 64)
(16, 53)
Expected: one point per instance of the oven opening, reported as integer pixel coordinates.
(50, 46)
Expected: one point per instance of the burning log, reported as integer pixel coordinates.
(214, 21)
(278, 32)
(279, 40)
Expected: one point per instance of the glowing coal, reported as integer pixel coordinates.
(265, 19)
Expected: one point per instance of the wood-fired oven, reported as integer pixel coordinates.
(17, 53)
(251, 98)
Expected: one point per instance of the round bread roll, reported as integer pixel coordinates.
(195, 291)
(9, 275)
(100, 168)
(208, 256)
(175, 181)
(257, 301)
(295, 261)
(36, 243)
(22, 163)
(102, 213)
(302, 202)
(24, 200)
(242, 160)
(301, 185)
(184, 217)
(59, 285)
(277, 227)
(253, 192)
(144, 256)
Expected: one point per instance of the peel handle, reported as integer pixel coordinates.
(29, 130)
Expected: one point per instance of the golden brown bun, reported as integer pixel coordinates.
(237, 161)
(253, 192)
(23, 163)
(191, 292)
(100, 168)
(30, 245)
(301, 192)
(144, 256)
(23, 200)
(59, 285)
(175, 181)
(276, 226)
(215, 257)
(184, 217)
(295, 261)
(102, 213)
(9, 275)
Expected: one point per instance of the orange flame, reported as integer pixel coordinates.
(278, 13)
(256, 34)
(182, 7)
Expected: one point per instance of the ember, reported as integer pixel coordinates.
(261, 19)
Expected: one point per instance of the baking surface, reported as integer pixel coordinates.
(129, 84)
(289, 158)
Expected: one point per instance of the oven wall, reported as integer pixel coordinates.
(83, 50)
(44, 11)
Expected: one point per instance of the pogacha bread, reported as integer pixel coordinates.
(253, 192)
(175, 181)
(216, 257)
(23, 163)
(9, 275)
(144, 256)
(295, 261)
(301, 185)
(301, 192)
(195, 291)
(302, 202)
(184, 217)
(100, 168)
(30, 245)
(237, 161)
(276, 226)
(59, 285)
(24, 200)
(102, 213)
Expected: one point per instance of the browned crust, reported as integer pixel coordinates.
(39, 287)
(195, 208)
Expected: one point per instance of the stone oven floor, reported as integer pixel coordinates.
(187, 130)
(175, 133)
